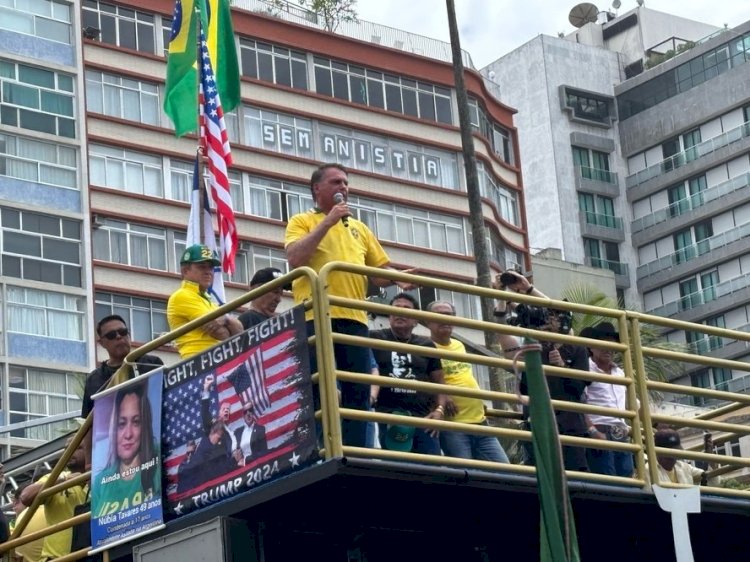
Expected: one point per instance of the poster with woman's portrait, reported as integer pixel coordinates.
(126, 462)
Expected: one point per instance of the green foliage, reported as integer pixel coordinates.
(734, 484)
(656, 369)
(332, 12)
(656, 59)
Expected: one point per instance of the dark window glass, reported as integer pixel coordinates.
(299, 75)
(32, 270)
(375, 93)
(283, 73)
(443, 106)
(127, 34)
(50, 272)
(48, 225)
(323, 81)
(408, 83)
(265, 67)
(72, 276)
(340, 86)
(71, 229)
(410, 103)
(11, 266)
(393, 98)
(89, 19)
(9, 115)
(37, 121)
(66, 127)
(339, 66)
(17, 243)
(249, 66)
(108, 30)
(146, 38)
(62, 250)
(359, 90)
(11, 218)
(426, 106)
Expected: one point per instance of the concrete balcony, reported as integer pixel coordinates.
(601, 226)
(622, 275)
(594, 180)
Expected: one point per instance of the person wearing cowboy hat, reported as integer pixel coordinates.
(191, 301)
(608, 395)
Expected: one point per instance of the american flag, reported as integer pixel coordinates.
(283, 375)
(215, 143)
(249, 381)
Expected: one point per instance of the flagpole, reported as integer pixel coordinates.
(199, 150)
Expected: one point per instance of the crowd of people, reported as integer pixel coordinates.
(330, 232)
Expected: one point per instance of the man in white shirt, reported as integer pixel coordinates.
(669, 468)
(609, 395)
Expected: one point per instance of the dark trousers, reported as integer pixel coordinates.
(348, 358)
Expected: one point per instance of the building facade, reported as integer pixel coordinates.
(646, 154)
(95, 195)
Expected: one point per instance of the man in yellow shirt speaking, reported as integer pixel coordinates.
(328, 232)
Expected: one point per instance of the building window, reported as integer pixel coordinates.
(37, 99)
(604, 255)
(504, 199)
(40, 247)
(274, 64)
(692, 242)
(255, 257)
(278, 132)
(44, 18)
(598, 210)
(698, 290)
(499, 137)
(45, 313)
(411, 226)
(38, 162)
(122, 97)
(684, 77)
(587, 106)
(146, 318)
(35, 394)
(593, 165)
(126, 170)
(121, 26)
(357, 84)
(686, 195)
(131, 244)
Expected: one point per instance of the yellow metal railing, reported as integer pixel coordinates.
(630, 347)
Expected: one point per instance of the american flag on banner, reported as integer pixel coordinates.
(215, 143)
(277, 370)
(249, 381)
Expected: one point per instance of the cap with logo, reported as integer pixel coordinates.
(266, 275)
(399, 437)
(198, 253)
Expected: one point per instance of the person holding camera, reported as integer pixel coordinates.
(554, 354)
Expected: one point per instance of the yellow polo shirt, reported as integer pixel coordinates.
(59, 508)
(460, 373)
(188, 303)
(354, 244)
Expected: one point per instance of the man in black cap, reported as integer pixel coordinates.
(191, 301)
(263, 307)
(608, 395)
(669, 468)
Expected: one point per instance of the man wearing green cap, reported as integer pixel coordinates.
(191, 301)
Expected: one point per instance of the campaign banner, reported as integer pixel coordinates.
(238, 415)
(126, 499)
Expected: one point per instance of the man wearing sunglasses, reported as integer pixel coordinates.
(113, 335)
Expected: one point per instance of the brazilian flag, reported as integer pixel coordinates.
(181, 92)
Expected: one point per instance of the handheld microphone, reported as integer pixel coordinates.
(338, 199)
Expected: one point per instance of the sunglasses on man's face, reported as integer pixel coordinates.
(113, 334)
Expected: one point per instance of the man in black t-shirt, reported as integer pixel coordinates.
(263, 307)
(408, 366)
(113, 335)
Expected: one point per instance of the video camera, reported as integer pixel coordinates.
(528, 316)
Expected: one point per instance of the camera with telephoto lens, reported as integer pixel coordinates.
(527, 316)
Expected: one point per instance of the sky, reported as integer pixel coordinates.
(491, 28)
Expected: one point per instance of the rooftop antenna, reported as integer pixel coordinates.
(583, 13)
(639, 2)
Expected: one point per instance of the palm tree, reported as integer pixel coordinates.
(663, 370)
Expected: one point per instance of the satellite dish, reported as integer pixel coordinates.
(583, 13)
(616, 4)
